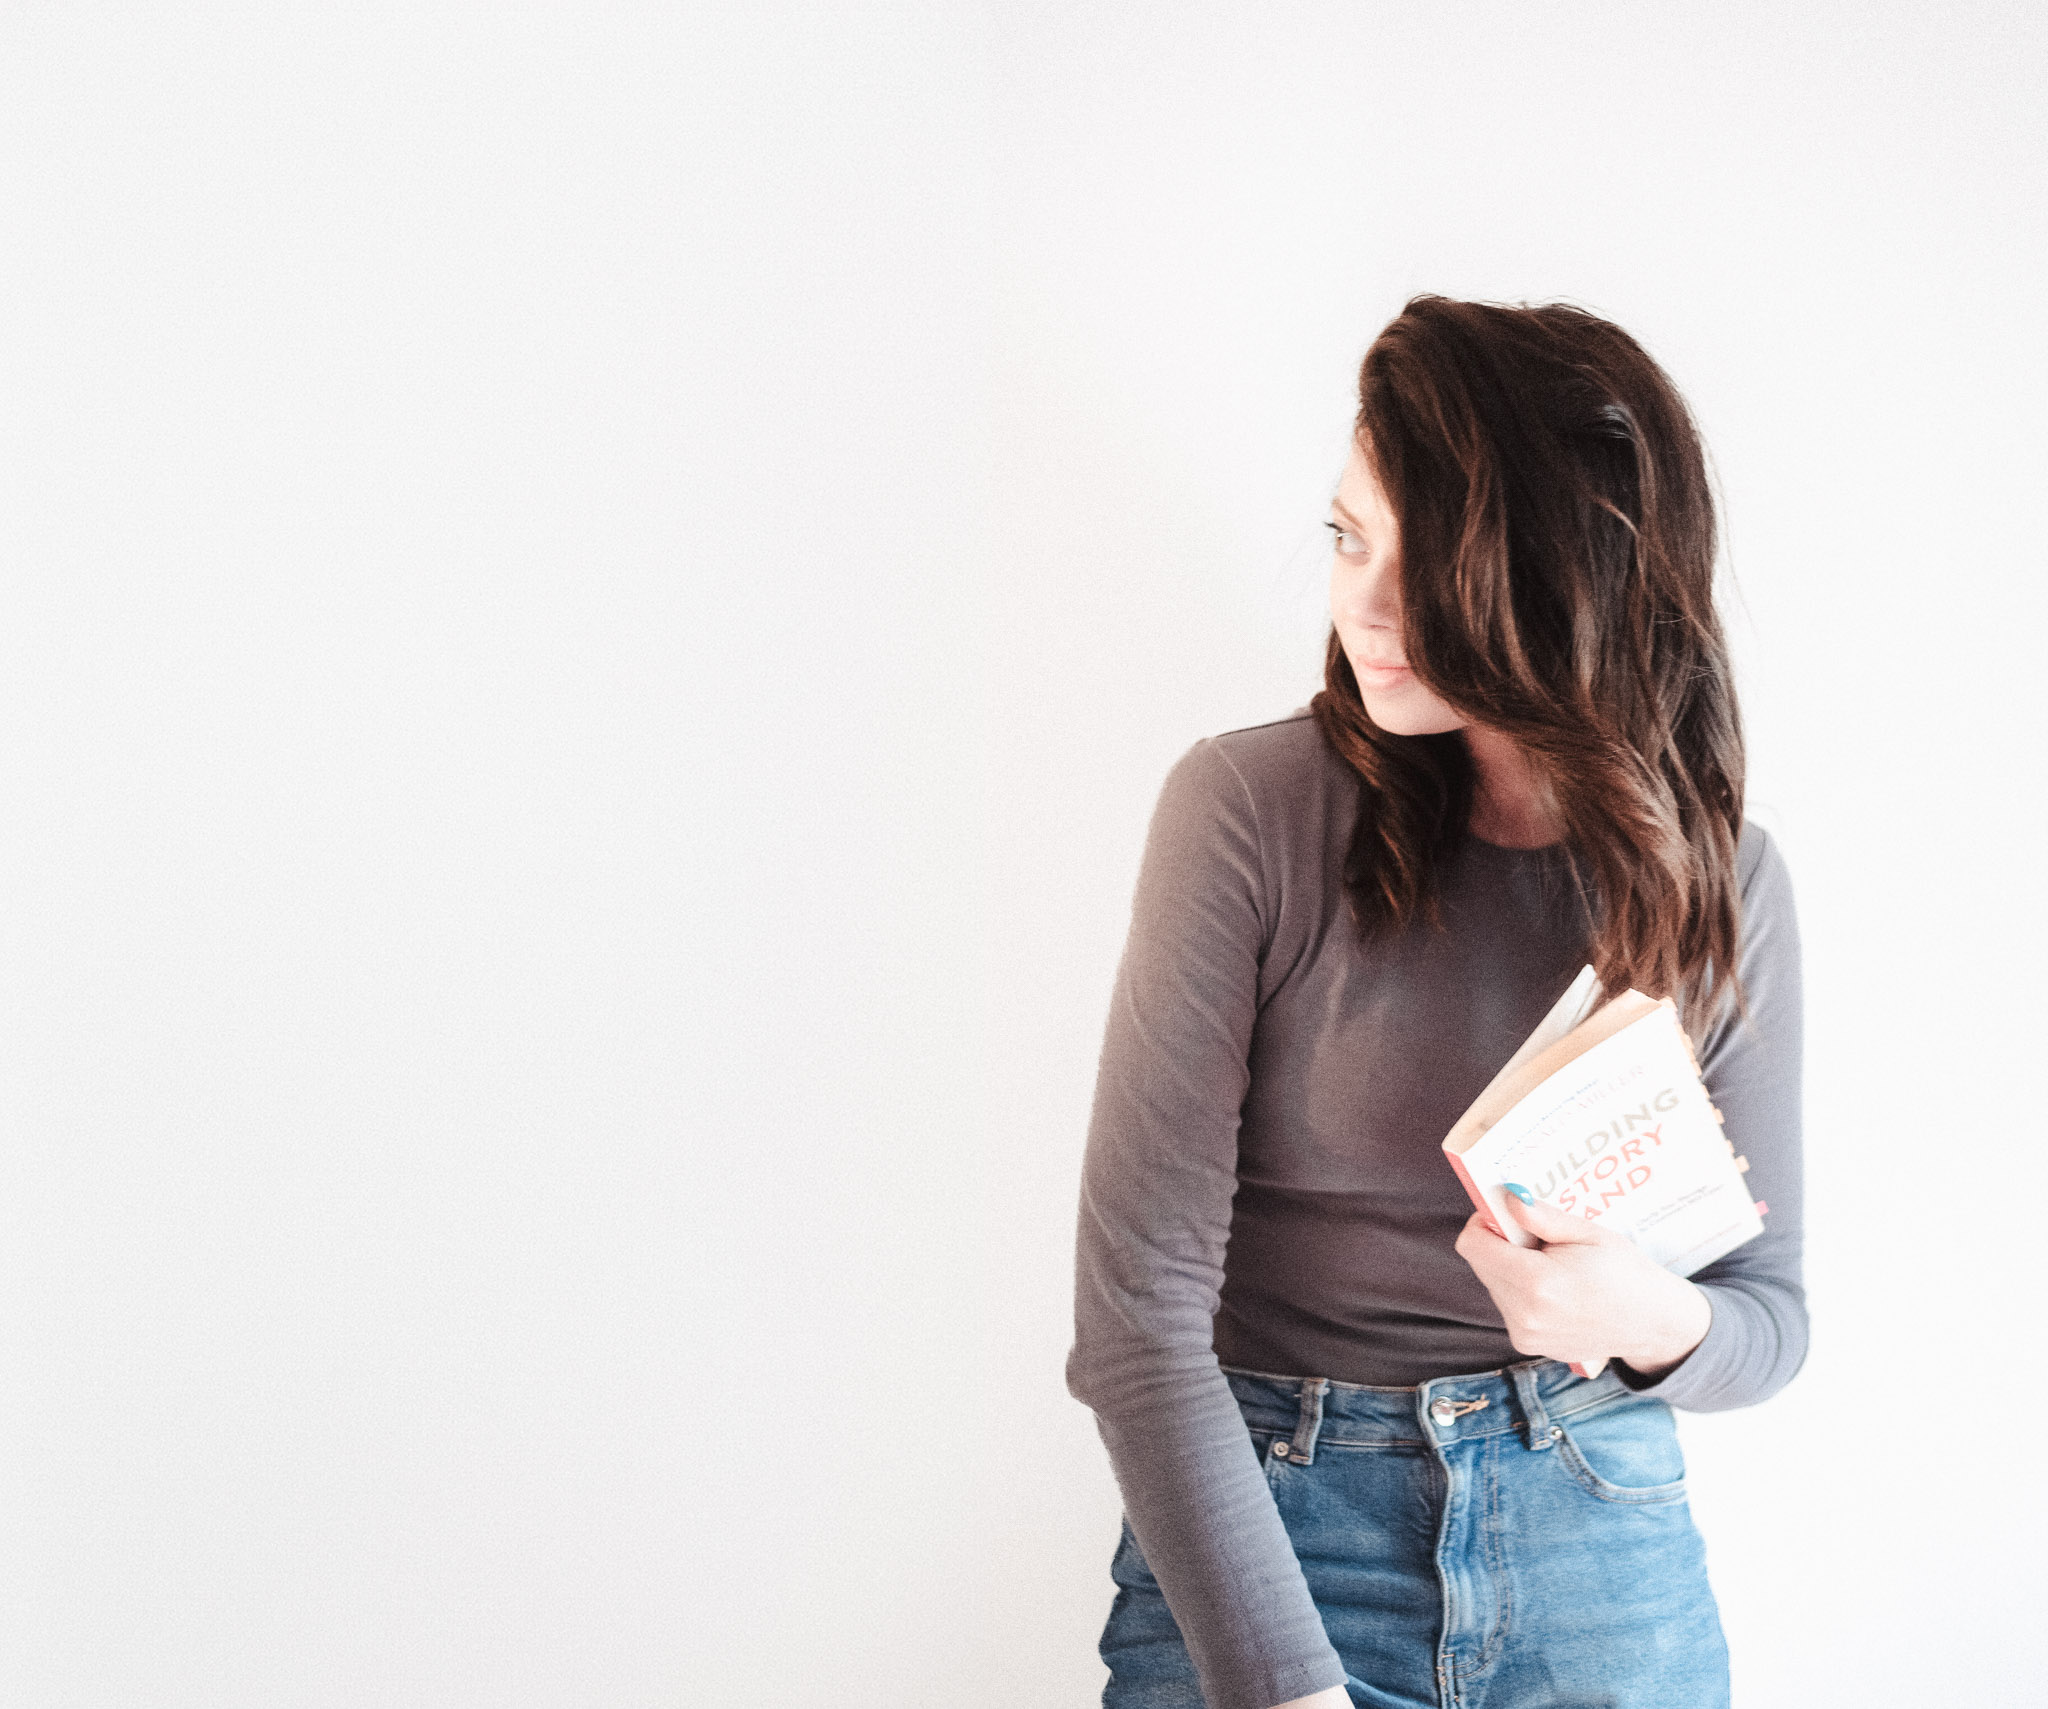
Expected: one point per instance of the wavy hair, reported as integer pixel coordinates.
(1557, 538)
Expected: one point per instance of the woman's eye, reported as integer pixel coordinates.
(1347, 542)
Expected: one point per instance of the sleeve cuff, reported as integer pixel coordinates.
(1739, 1361)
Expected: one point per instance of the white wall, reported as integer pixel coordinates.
(1825, 221)
(596, 599)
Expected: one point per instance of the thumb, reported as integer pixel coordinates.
(1549, 1225)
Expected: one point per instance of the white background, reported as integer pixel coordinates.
(596, 599)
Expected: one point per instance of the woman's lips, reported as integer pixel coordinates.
(1381, 676)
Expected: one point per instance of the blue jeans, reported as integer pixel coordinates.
(1518, 1539)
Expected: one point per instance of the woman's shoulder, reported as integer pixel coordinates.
(1770, 914)
(1261, 795)
(1282, 762)
(1759, 865)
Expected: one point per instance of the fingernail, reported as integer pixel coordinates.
(1521, 1192)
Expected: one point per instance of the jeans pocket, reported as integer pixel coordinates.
(1627, 1452)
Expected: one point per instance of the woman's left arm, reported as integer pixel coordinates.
(1736, 1332)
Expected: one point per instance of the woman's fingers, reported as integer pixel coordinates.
(1493, 1255)
(1535, 1289)
(1554, 1228)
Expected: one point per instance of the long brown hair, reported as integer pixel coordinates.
(1557, 560)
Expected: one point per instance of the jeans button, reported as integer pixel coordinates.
(1279, 1450)
(1443, 1411)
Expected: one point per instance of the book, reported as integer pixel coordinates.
(1602, 1114)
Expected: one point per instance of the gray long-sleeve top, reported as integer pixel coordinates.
(1265, 1185)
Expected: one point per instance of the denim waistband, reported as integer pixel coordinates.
(1525, 1398)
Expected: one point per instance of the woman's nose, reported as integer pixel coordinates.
(1372, 600)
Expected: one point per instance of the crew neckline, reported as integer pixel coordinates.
(1508, 851)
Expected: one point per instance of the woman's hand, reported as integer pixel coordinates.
(1587, 1295)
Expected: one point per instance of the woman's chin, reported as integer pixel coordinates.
(1410, 711)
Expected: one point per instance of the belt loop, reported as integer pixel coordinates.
(1302, 1450)
(1538, 1431)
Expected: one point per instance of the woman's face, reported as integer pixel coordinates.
(1365, 605)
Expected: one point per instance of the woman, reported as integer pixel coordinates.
(1356, 1462)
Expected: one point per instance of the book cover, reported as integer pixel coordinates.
(1602, 1115)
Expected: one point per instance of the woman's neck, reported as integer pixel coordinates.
(1511, 804)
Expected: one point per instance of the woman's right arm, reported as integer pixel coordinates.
(1157, 1185)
